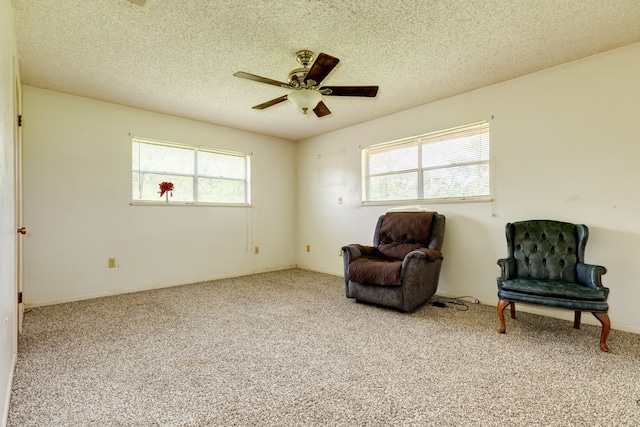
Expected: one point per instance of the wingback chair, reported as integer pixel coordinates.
(402, 268)
(545, 266)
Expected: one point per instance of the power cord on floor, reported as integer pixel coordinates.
(474, 300)
(454, 303)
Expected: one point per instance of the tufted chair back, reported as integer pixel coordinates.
(545, 249)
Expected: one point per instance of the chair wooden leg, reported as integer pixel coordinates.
(576, 320)
(606, 326)
(502, 304)
(513, 310)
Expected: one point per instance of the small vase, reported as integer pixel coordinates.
(166, 195)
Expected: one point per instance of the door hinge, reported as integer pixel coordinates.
(20, 120)
(19, 297)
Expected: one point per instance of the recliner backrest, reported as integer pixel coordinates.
(545, 249)
(398, 233)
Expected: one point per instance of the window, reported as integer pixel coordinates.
(452, 164)
(199, 175)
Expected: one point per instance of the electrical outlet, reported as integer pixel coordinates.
(256, 250)
(340, 200)
(112, 263)
(308, 248)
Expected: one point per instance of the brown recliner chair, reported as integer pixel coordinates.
(402, 268)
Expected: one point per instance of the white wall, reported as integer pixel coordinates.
(565, 145)
(8, 288)
(77, 193)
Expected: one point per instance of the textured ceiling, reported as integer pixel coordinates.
(178, 57)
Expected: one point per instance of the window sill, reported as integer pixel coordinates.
(479, 199)
(190, 204)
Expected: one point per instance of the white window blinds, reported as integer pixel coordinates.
(449, 164)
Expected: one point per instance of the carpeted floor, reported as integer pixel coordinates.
(288, 349)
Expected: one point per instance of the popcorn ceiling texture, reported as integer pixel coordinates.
(288, 349)
(178, 57)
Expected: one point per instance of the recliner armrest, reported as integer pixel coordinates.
(355, 251)
(416, 257)
(412, 257)
(430, 254)
(507, 268)
(351, 251)
(591, 275)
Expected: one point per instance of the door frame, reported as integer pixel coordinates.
(17, 146)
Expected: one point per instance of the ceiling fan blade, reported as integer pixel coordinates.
(321, 68)
(369, 91)
(321, 110)
(270, 103)
(255, 78)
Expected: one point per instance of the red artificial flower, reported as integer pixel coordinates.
(166, 187)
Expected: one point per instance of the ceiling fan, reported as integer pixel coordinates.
(305, 84)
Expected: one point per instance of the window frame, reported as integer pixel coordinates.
(420, 141)
(196, 149)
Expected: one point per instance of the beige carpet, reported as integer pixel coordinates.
(288, 349)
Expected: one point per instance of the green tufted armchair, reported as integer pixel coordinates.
(545, 266)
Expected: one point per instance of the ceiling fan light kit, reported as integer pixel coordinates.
(306, 83)
(305, 99)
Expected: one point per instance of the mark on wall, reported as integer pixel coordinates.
(331, 169)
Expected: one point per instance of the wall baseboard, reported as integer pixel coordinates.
(150, 287)
(5, 405)
(550, 312)
(318, 270)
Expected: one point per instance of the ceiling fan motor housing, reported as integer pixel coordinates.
(304, 58)
(296, 77)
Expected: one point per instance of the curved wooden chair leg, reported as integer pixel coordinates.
(606, 326)
(502, 304)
